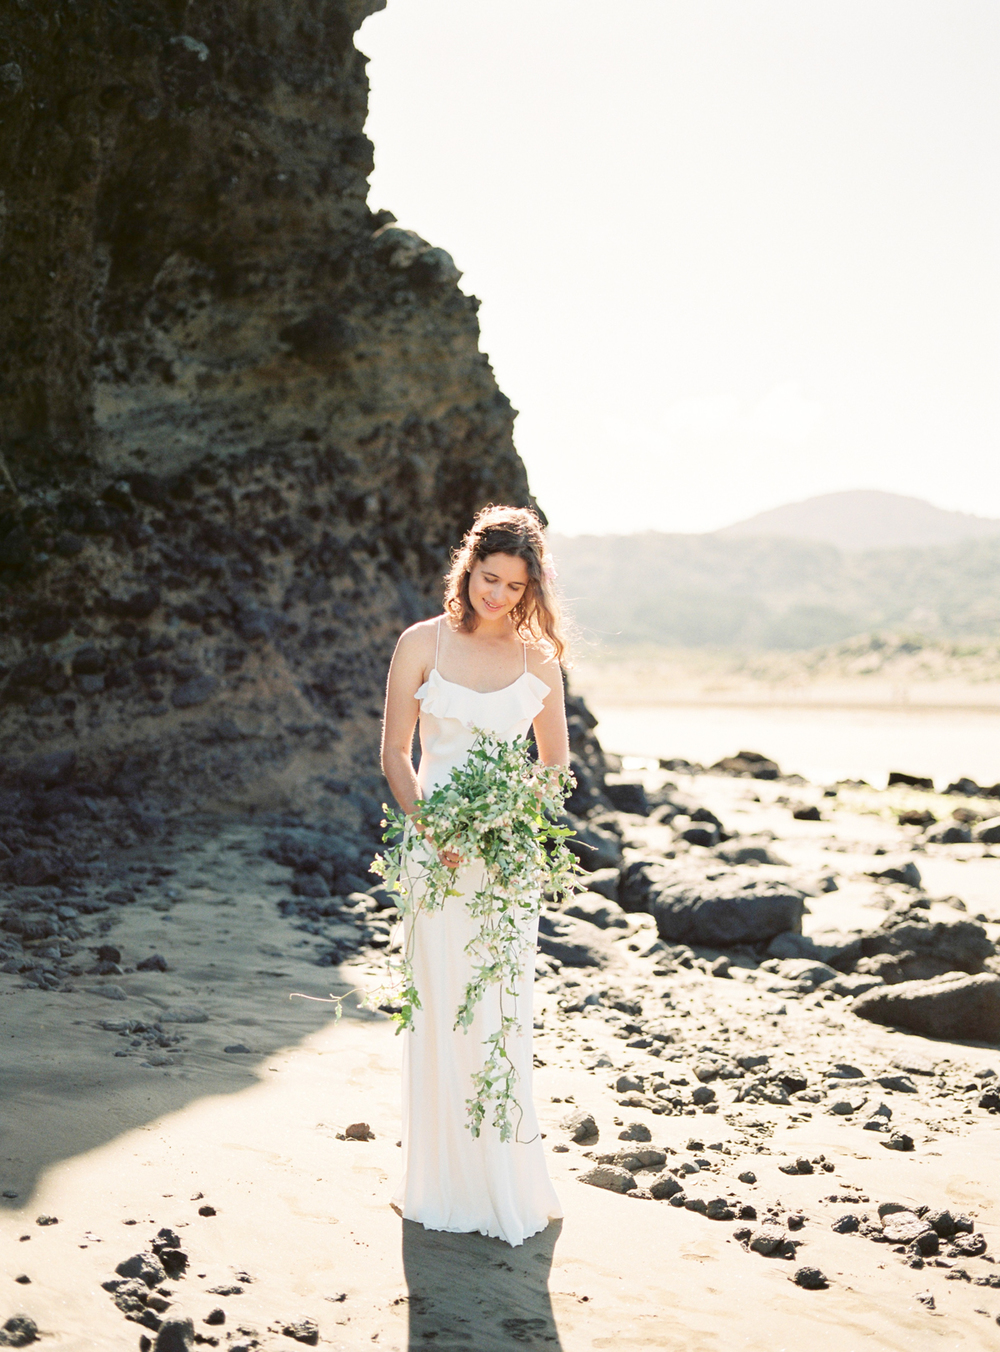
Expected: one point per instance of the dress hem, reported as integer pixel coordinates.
(479, 1230)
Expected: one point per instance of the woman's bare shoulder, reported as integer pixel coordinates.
(419, 639)
(542, 662)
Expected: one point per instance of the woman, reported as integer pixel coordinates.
(490, 661)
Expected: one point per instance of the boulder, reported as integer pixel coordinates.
(576, 943)
(955, 1006)
(594, 847)
(988, 832)
(749, 850)
(921, 949)
(642, 879)
(801, 969)
(747, 765)
(908, 874)
(604, 881)
(912, 781)
(830, 946)
(947, 833)
(598, 910)
(627, 798)
(727, 912)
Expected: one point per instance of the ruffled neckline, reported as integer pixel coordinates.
(523, 699)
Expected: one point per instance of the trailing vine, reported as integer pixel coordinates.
(498, 808)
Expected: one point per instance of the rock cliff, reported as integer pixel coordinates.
(243, 418)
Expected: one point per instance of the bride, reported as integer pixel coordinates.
(490, 661)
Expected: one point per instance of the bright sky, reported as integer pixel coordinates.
(731, 253)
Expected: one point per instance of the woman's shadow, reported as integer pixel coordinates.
(470, 1292)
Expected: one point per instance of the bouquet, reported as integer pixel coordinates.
(499, 808)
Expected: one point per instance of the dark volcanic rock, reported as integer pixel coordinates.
(244, 420)
(906, 948)
(727, 912)
(576, 943)
(953, 1006)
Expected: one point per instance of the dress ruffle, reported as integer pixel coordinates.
(494, 710)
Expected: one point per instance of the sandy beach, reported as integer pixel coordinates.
(119, 1137)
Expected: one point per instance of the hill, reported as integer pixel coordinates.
(865, 519)
(759, 592)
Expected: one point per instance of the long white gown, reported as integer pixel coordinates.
(454, 1181)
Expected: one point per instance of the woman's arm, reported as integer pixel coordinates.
(406, 675)
(551, 735)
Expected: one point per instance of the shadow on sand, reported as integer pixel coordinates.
(470, 1292)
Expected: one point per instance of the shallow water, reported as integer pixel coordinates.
(822, 744)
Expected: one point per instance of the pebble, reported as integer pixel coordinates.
(359, 1131)
(302, 1329)
(18, 1331)
(810, 1279)
(899, 1140)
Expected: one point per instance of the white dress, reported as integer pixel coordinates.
(454, 1181)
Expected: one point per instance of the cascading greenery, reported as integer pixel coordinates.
(498, 809)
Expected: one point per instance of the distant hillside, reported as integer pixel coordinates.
(866, 519)
(757, 593)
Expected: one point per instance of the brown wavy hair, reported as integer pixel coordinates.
(516, 531)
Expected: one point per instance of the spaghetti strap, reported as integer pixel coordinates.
(437, 645)
(525, 647)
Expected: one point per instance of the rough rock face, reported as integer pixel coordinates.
(242, 417)
(952, 1006)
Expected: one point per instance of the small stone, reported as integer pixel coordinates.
(810, 1279)
(359, 1131)
(903, 1227)
(303, 1330)
(175, 1335)
(901, 1084)
(238, 1049)
(23, 1279)
(767, 1239)
(926, 1299)
(154, 963)
(748, 1212)
(46, 1220)
(207, 1210)
(696, 1204)
(748, 1176)
(665, 1186)
(635, 1131)
(144, 1267)
(846, 1225)
(18, 1331)
(795, 1221)
(581, 1126)
(703, 1095)
(899, 1141)
(216, 1316)
(718, 1209)
(609, 1176)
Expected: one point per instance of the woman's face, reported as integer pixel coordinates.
(496, 584)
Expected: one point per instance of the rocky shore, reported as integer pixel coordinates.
(771, 1012)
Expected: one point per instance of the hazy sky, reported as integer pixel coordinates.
(731, 253)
